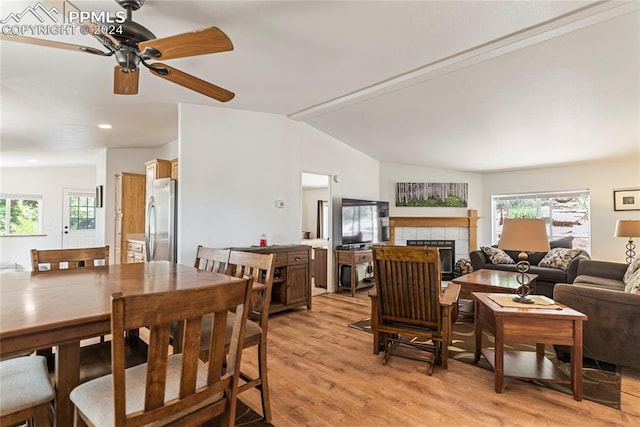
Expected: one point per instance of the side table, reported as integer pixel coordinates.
(350, 257)
(529, 325)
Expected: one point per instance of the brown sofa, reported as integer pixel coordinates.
(547, 277)
(612, 332)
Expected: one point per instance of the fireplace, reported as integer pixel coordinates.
(447, 250)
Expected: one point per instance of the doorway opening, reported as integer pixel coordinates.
(315, 226)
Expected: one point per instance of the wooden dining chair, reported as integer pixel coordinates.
(261, 268)
(176, 389)
(45, 260)
(27, 393)
(410, 302)
(95, 359)
(212, 259)
(69, 259)
(209, 259)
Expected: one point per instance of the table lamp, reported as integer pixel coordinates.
(628, 228)
(524, 234)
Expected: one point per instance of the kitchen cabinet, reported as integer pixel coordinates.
(174, 169)
(292, 277)
(156, 168)
(129, 215)
(135, 248)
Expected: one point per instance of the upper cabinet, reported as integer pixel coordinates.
(157, 168)
(174, 169)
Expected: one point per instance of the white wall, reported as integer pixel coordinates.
(168, 151)
(310, 199)
(234, 165)
(600, 178)
(48, 182)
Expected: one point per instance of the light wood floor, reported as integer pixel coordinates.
(323, 373)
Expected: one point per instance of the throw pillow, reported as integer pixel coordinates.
(559, 258)
(632, 285)
(497, 256)
(633, 267)
(565, 242)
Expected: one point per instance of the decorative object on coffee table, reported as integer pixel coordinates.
(524, 234)
(628, 228)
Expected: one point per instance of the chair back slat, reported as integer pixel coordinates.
(212, 259)
(261, 268)
(69, 259)
(157, 312)
(408, 285)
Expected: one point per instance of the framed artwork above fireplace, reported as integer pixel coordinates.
(432, 194)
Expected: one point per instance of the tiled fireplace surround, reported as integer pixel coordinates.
(463, 230)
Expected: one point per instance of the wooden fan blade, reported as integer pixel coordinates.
(51, 43)
(125, 83)
(201, 42)
(86, 26)
(191, 82)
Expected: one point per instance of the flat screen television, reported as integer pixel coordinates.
(364, 222)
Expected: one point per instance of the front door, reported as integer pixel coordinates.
(78, 218)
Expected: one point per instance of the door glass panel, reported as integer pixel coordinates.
(82, 213)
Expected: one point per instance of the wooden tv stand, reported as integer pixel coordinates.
(351, 257)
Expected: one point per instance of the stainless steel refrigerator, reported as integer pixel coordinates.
(161, 224)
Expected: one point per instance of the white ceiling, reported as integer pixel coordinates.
(476, 86)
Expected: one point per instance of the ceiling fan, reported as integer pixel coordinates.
(133, 45)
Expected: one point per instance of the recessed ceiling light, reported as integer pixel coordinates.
(32, 160)
(104, 126)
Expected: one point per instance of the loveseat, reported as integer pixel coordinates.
(611, 334)
(547, 276)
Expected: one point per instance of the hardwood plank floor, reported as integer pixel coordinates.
(323, 373)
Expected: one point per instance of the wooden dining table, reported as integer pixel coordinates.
(58, 309)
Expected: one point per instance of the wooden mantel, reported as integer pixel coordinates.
(470, 222)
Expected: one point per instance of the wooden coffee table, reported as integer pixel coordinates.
(491, 281)
(539, 326)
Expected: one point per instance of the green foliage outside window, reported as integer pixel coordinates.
(3, 215)
(82, 213)
(19, 216)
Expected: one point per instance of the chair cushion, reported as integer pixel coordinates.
(252, 330)
(599, 282)
(95, 398)
(25, 384)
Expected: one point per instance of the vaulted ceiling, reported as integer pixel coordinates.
(477, 86)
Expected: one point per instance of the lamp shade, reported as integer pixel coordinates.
(628, 228)
(524, 234)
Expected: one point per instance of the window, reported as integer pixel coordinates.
(566, 214)
(82, 212)
(20, 215)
